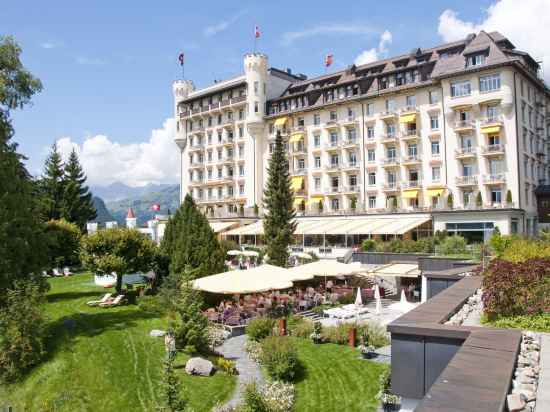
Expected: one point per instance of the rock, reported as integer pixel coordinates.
(528, 387)
(528, 395)
(156, 333)
(515, 402)
(199, 366)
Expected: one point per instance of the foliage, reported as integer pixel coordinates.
(521, 250)
(317, 333)
(22, 331)
(479, 199)
(76, 204)
(300, 327)
(172, 389)
(253, 400)
(521, 288)
(450, 201)
(189, 242)
(228, 245)
(192, 326)
(260, 328)
(280, 358)
(217, 335)
(279, 396)
(422, 245)
(254, 350)
(63, 243)
(499, 243)
(368, 245)
(346, 299)
(509, 196)
(23, 252)
(452, 245)
(384, 394)
(118, 250)
(279, 213)
(226, 365)
(377, 336)
(540, 322)
(52, 185)
(339, 334)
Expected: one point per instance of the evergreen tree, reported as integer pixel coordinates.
(52, 185)
(77, 205)
(279, 223)
(172, 389)
(22, 245)
(189, 242)
(190, 332)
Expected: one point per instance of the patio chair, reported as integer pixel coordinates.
(112, 302)
(45, 274)
(233, 320)
(56, 272)
(104, 299)
(67, 272)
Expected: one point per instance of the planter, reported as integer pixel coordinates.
(282, 327)
(352, 337)
(368, 355)
(391, 407)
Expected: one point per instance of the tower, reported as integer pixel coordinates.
(131, 220)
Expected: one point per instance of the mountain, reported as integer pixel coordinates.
(103, 214)
(142, 201)
(119, 191)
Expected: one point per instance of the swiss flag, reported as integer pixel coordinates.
(155, 207)
(257, 32)
(328, 60)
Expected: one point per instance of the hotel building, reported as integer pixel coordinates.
(454, 136)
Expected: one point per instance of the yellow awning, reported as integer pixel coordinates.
(408, 118)
(281, 121)
(435, 192)
(410, 194)
(296, 182)
(315, 200)
(490, 129)
(296, 137)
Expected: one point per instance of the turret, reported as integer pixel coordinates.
(131, 220)
(255, 69)
(181, 89)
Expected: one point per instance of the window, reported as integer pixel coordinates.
(241, 170)
(256, 107)
(496, 196)
(316, 119)
(209, 174)
(241, 114)
(301, 121)
(436, 174)
(350, 113)
(241, 131)
(301, 164)
(492, 112)
(220, 192)
(335, 204)
(467, 169)
(468, 197)
(390, 105)
(334, 160)
(352, 134)
(352, 180)
(495, 166)
(434, 96)
(391, 179)
(435, 147)
(370, 109)
(459, 89)
(489, 83)
(317, 162)
(334, 138)
(219, 172)
(230, 190)
(434, 122)
(372, 202)
(316, 140)
(372, 179)
(256, 87)
(352, 159)
(475, 60)
(392, 152)
(241, 189)
(370, 132)
(390, 129)
(411, 101)
(333, 115)
(371, 155)
(317, 183)
(412, 150)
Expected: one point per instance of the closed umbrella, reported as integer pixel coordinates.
(377, 297)
(358, 298)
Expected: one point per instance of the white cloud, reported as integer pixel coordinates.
(210, 31)
(137, 164)
(326, 29)
(376, 53)
(525, 23)
(90, 61)
(50, 45)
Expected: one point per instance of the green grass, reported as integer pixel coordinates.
(539, 323)
(103, 359)
(335, 379)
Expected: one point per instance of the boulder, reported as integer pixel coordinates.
(156, 333)
(515, 402)
(199, 366)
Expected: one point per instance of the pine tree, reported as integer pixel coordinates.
(190, 333)
(172, 389)
(77, 205)
(52, 185)
(22, 244)
(279, 223)
(189, 242)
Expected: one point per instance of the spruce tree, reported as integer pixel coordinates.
(192, 325)
(52, 185)
(77, 205)
(279, 223)
(172, 389)
(22, 244)
(190, 242)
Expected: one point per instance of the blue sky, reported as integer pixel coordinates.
(107, 67)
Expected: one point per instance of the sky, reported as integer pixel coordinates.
(107, 66)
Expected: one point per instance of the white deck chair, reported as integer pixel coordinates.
(114, 302)
(104, 299)
(56, 272)
(67, 271)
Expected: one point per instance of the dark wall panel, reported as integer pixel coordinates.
(437, 354)
(436, 285)
(407, 365)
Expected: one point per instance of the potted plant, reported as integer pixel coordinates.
(390, 402)
(367, 351)
(509, 197)
(316, 336)
(353, 204)
(479, 200)
(256, 211)
(241, 210)
(320, 206)
(450, 201)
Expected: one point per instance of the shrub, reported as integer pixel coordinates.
(22, 330)
(300, 327)
(192, 326)
(280, 358)
(540, 322)
(260, 328)
(339, 334)
(377, 335)
(254, 350)
(227, 365)
(346, 299)
(228, 245)
(521, 250)
(216, 335)
(279, 396)
(453, 245)
(516, 288)
(450, 201)
(253, 400)
(63, 243)
(368, 245)
(499, 243)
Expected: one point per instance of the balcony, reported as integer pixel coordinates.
(390, 162)
(350, 189)
(228, 159)
(335, 145)
(219, 180)
(371, 164)
(298, 149)
(230, 141)
(493, 150)
(411, 184)
(464, 125)
(409, 135)
(348, 121)
(333, 190)
(390, 187)
(465, 152)
(388, 138)
(350, 166)
(466, 180)
(349, 143)
(214, 107)
(196, 182)
(409, 110)
(299, 172)
(332, 124)
(388, 114)
(411, 160)
(195, 165)
(492, 121)
(196, 147)
(494, 179)
(333, 167)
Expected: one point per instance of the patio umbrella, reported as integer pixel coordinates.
(377, 297)
(358, 298)
(249, 253)
(403, 305)
(302, 255)
(234, 252)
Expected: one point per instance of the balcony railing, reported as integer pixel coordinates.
(492, 120)
(466, 180)
(390, 161)
(332, 123)
(350, 165)
(409, 109)
(390, 187)
(466, 151)
(333, 167)
(332, 145)
(494, 178)
(351, 189)
(493, 149)
(412, 159)
(464, 124)
(388, 113)
(299, 172)
(411, 184)
(333, 190)
(351, 142)
(388, 138)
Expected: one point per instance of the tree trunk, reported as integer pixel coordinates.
(118, 283)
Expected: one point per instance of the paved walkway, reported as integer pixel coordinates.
(543, 390)
(249, 371)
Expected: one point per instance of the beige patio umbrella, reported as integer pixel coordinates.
(259, 279)
(328, 268)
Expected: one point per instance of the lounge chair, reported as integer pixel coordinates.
(45, 274)
(112, 302)
(104, 299)
(67, 272)
(57, 273)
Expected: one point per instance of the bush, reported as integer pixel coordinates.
(63, 243)
(22, 331)
(516, 288)
(280, 358)
(453, 245)
(254, 350)
(228, 245)
(499, 243)
(299, 327)
(368, 245)
(346, 299)
(539, 323)
(377, 335)
(260, 328)
(521, 250)
(227, 365)
(253, 400)
(279, 396)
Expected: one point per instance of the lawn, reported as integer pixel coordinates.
(335, 379)
(103, 359)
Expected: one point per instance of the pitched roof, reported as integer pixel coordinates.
(130, 214)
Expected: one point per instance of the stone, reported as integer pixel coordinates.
(515, 402)
(528, 387)
(199, 366)
(156, 333)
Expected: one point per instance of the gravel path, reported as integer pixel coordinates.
(249, 371)
(543, 394)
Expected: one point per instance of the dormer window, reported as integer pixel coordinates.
(475, 60)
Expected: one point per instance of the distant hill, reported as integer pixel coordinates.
(103, 214)
(119, 191)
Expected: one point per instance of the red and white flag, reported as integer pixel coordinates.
(181, 58)
(155, 207)
(328, 60)
(257, 32)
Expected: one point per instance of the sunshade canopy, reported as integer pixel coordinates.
(407, 270)
(218, 227)
(327, 267)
